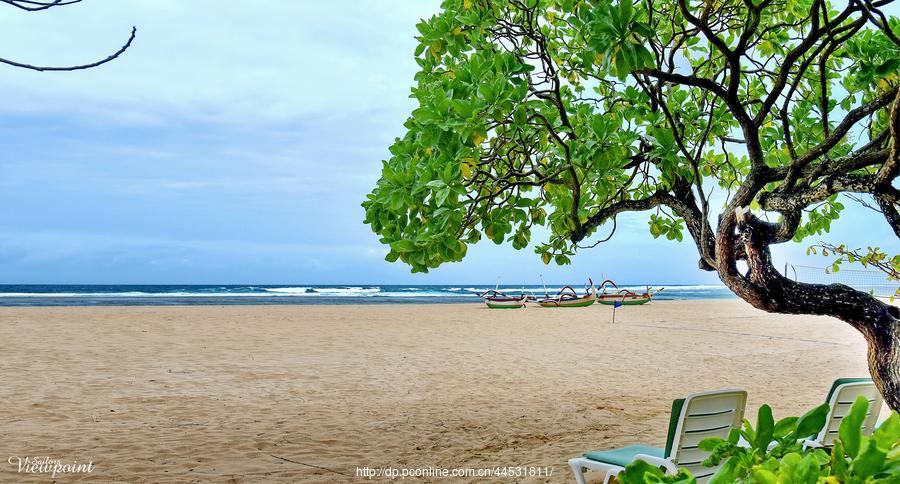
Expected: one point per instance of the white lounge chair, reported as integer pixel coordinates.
(693, 418)
(840, 398)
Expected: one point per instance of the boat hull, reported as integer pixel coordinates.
(503, 306)
(626, 301)
(509, 304)
(570, 303)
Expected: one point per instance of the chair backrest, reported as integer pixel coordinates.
(699, 416)
(840, 398)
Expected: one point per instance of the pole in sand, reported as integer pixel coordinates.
(616, 305)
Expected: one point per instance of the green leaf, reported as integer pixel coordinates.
(425, 115)
(734, 436)
(850, 431)
(397, 200)
(799, 469)
(812, 422)
(441, 196)
(764, 476)
(888, 433)
(839, 467)
(765, 429)
(869, 461)
(888, 67)
(807, 472)
(403, 246)
(748, 432)
(709, 444)
(728, 473)
(785, 426)
(637, 471)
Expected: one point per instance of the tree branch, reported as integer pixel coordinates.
(34, 5)
(78, 67)
(775, 201)
(837, 135)
(888, 171)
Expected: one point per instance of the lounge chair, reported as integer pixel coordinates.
(693, 418)
(840, 398)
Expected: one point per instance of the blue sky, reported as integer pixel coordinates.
(234, 143)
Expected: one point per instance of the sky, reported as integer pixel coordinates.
(233, 144)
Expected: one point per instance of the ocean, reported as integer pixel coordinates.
(195, 295)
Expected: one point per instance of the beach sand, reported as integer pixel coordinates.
(224, 394)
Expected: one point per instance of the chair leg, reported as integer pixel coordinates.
(609, 475)
(578, 471)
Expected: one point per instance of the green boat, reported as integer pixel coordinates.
(624, 297)
(569, 298)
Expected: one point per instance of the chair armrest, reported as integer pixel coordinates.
(811, 444)
(670, 466)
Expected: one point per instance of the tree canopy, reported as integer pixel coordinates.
(565, 113)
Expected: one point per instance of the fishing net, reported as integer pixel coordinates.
(876, 283)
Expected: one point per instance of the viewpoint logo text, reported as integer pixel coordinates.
(49, 465)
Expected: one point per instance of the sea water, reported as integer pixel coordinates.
(148, 295)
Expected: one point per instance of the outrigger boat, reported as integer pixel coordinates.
(569, 298)
(497, 300)
(624, 296)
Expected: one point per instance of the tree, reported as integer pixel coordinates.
(36, 5)
(567, 113)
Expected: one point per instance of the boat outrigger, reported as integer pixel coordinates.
(569, 298)
(497, 300)
(624, 296)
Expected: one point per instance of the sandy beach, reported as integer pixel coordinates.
(310, 393)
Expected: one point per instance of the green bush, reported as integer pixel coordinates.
(773, 452)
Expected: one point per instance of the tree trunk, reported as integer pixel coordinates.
(767, 289)
(877, 321)
(884, 362)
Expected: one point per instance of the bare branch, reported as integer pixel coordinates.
(78, 67)
(34, 5)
